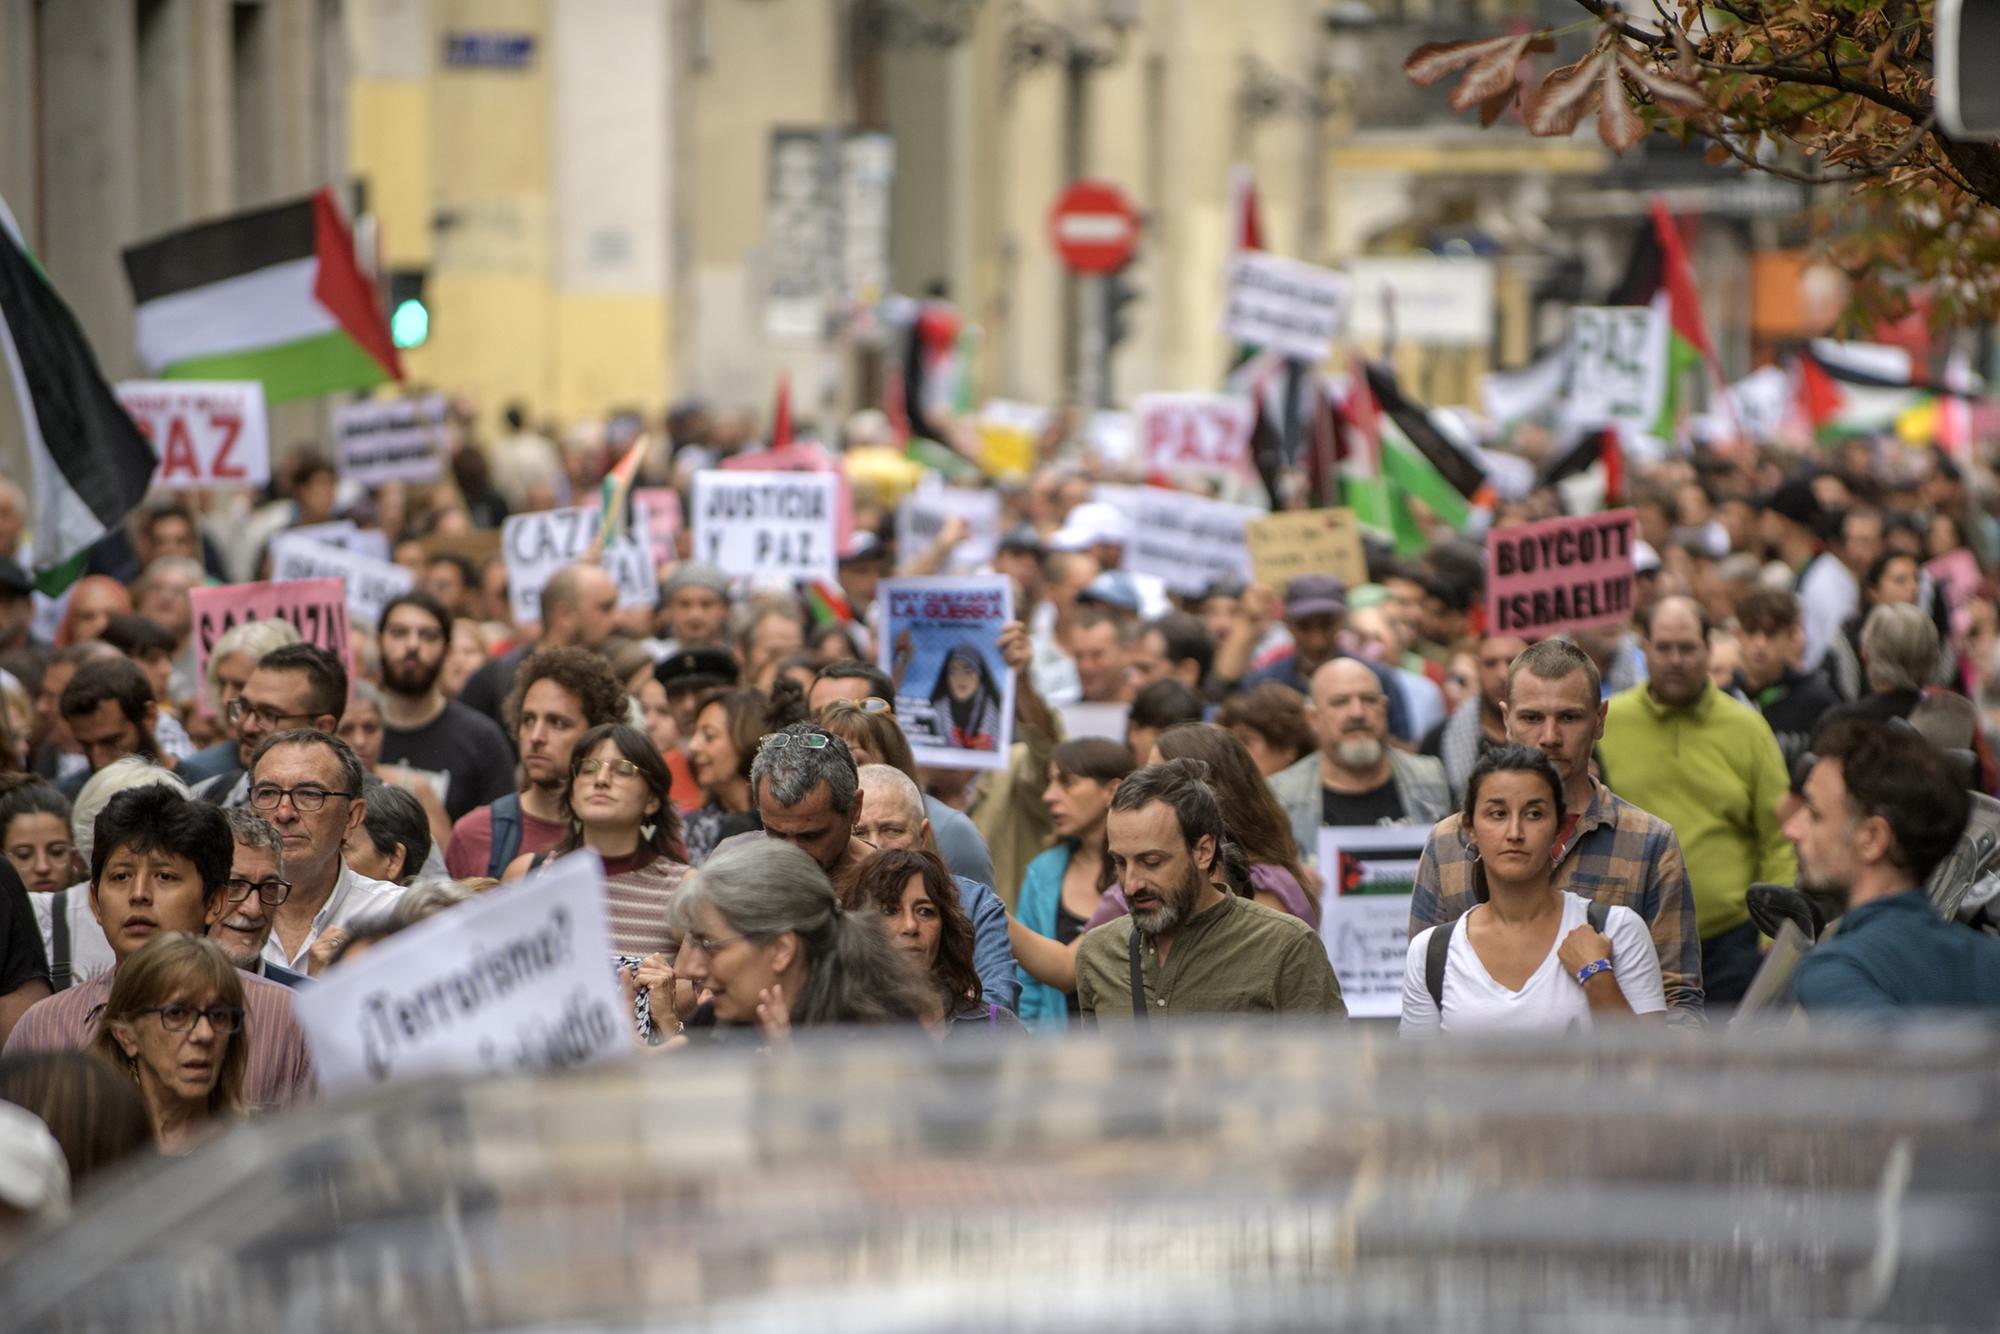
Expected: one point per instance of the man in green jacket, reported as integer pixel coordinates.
(1709, 766)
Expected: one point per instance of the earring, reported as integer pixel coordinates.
(1472, 852)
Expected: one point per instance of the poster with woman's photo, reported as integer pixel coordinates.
(941, 644)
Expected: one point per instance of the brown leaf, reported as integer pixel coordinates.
(1618, 125)
(1671, 94)
(1494, 107)
(1565, 95)
(1433, 60)
(1495, 73)
(1683, 50)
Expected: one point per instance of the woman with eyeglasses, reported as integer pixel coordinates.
(621, 807)
(728, 724)
(175, 1022)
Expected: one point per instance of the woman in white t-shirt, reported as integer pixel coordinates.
(1526, 958)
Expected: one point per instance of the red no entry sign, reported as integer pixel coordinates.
(1094, 227)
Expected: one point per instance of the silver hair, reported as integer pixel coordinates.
(252, 639)
(889, 776)
(352, 775)
(364, 692)
(1899, 645)
(121, 775)
(254, 831)
(794, 769)
(187, 565)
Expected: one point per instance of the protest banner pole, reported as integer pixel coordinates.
(1295, 374)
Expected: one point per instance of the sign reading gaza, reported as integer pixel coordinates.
(1559, 574)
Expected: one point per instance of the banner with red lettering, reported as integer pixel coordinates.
(1559, 574)
(954, 693)
(205, 432)
(317, 609)
(1206, 433)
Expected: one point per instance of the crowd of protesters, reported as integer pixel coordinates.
(1799, 713)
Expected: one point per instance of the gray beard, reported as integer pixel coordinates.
(1358, 755)
(1173, 910)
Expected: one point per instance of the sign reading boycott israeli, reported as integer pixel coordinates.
(1559, 574)
(401, 441)
(206, 432)
(538, 544)
(766, 523)
(316, 608)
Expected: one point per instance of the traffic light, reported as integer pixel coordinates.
(409, 316)
(1118, 294)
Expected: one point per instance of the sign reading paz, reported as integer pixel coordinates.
(1284, 546)
(1559, 574)
(1195, 432)
(206, 432)
(766, 523)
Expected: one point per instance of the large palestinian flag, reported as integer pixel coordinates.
(89, 463)
(272, 295)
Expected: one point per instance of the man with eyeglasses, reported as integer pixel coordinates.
(293, 686)
(309, 785)
(465, 755)
(808, 794)
(255, 888)
(161, 863)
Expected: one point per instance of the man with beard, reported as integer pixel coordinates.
(1195, 947)
(1356, 777)
(464, 754)
(110, 709)
(256, 886)
(1881, 811)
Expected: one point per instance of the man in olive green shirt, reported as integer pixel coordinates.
(1201, 949)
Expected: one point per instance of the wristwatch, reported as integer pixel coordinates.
(1592, 969)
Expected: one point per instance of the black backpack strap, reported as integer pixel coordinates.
(59, 950)
(1597, 915)
(1133, 946)
(1434, 956)
(535, 862)
(506, 834)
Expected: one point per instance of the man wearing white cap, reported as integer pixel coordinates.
(1102, 531)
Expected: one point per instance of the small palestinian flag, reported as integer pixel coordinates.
(90, 464)
(272, 295)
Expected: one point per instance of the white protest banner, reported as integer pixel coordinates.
(1422, 299)
(317, 609)
(925, 511)
(371, 584)
(206, 432)
(518, 979)
(1207, 433)
(1617, 368)
(348, 536)
(398, 441)
(1185, 540)
(1292, 308)
(1368, 873)
(767, 523)
(656, 512)
(1088, 719)
(954, 694)
(537, 545)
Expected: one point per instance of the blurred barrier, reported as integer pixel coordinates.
(1195, 1177)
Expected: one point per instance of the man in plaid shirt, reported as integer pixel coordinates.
(1609, 850)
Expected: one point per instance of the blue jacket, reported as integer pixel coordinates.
(992, 956)
(1897, 954)
(1042, 1007)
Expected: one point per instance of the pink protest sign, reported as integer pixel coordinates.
(660, 507)
(1957, 573)
(317, 609)
(1195, 432)
(1559, 574)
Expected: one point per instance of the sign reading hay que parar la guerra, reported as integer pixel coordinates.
(1559, 574)
(767, 523)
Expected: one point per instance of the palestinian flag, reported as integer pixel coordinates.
(272, 295)
(90, 465)
(1847, 389)
(1421, 462)
(1688, 343)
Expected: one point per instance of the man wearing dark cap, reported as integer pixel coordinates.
(687, 675)
(1315, 613)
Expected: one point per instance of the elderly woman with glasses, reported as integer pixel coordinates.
(175, 1022)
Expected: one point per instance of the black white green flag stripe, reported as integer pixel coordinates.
(272, 295)
(90, 464)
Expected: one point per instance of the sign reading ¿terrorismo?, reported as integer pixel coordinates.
(1559, 574)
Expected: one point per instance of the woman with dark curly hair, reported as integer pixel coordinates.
(920, 910)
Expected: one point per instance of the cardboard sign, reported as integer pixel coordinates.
(1364, 920)
(477, 545)
(1292, 308)
(1559, 574)
(1283, 546)
(517, 979)
(1195, 432)
(398, 441)
(1617, 368)
(767, 523)
(954, 694)
(371, 584)
(656, 512)
(205, 432)
(925, 511)
(537, 545)
(1187, 541)
(317, 609)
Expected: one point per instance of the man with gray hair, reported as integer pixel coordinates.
(809, 795)
(895, 819)
(256, 886)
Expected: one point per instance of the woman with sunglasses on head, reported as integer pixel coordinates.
(870, 729)
(175, 1022)
(728, 724)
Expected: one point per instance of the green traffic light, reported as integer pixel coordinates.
(410, 325)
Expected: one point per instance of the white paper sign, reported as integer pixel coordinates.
(1422, 299)
(518, 979)
(767, 523)
(940, 642)
(397, 441)
(925, 511)
(1086, 719)
(1617, 367)
(1292, 308)
(348, 536)
(1187, 541)
(205, 432)
(371, 584)
(1208, 433)
(1368, 874)
(537, 545)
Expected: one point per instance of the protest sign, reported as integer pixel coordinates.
(954, 694)
(1957, 573)
(1559, 574)
(371, 584)
(477, 545)
(317, 609)
(537, 545)
(205, 432)
(1008, 435)
(767, 523)
(1292, 308)
(656, 512)
(1283, 546)
(1091, 719)
(1617, 368)
(1364, 920)
(518, 979)
(926, 510)
(397, 441)
(1194, 432)
(1186, 541)
(348, 536)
